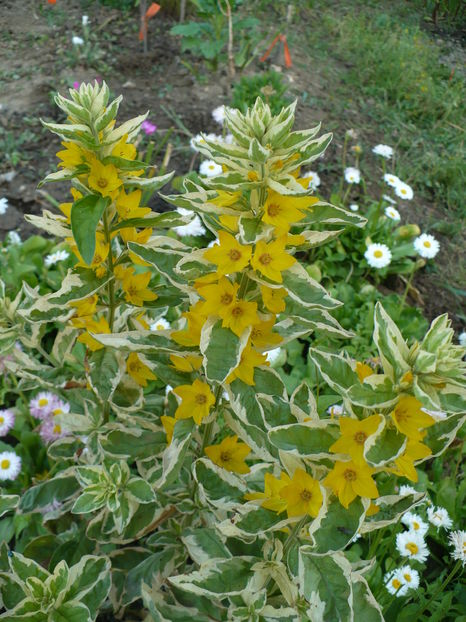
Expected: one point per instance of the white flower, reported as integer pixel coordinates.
(427, 246)
(409, 578)
(354, 207)
(42, 405)
(54, 258)
(14, 238)
(335, 411)
(10, 465)
(378, 255)
(407, 490)
(411, 544)
(85, 20)
(391, 212)
(199, 139)
(194, 228)
(168, 388)
(352, 175)
(392, 180)
(215, 242)
(393, 582)
(462, 339)
(218, 114)
(7, 421)
(160, 324)
(458, 540)
(439, 517)
(3, 205)
(415, 523)
(210, 168)
(77, 40)
(272, 355)
(404, 191)
(438, 415)
(314, 179)
(383, 150)
(389, 199)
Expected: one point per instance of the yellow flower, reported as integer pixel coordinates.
(229, 222)
(130, 234)
(219, 297)
(354, 433)
(230, 455)
(281, 211)
(103, 178)
(273, 298)
(168, 425)
(405, 463)
(196, 319)
(127, 205)
(138, 370)
(124, 150)
(229, 256)
(409, 418)
(271, 259)
(250, 359)
(225, 199)
(98, 327)
(239, 316)
(73, 155)
(363, 371)
(86, 306)
(187, 363)
(196, 401)
(351, 479)
(271, 495)
(302, 495)
(263, 337)
(135, 288)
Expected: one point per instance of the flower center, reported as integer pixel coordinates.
(234, 254)
(211, 167)
(407, 577)
(226, 299)
(412, 548)
(102, 182)
(225, 456)
(359, 438)
(200, 399)
(273, 209)
(403, 191)
(306, 495)
(237, 312)
(396, 583)
(57, 429)
(5, 464)
(350, 475)
(427, 244)
(43, 401)
(415, 525)
(265, 259)
(252, 176)
(378, 254)
(1, 420)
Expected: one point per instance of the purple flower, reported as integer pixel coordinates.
(148, 127)
(43, 404)
(50, 431)
(7, 421)
(76, 85)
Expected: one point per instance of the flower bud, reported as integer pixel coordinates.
(407, 231)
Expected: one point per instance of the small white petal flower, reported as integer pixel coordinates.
(160, 324)
(13, 238)
(407, 490)
(272, 355)
(410, 578)
(415, 523)
(168, 388)
(392, 180)
(378, 255)
(194, 228)
(194, 142)
(354, 207)
(404, 191)
(462, 339)
(411, 544)
(54, 258)
(314, 179)
(218, 114)
(10, 465)
(383, 150)
(438, 415)
(209, 168)
(3, 205)
(458, 540)
(336, 410)
(427, 246)
(393, 582)
(352, 175)
(7, 421)
(439, 517)
(42, 405)
(391, 212)
(389, 199)
(85, 20)
(77, 40)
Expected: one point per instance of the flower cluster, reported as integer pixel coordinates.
(46, 407)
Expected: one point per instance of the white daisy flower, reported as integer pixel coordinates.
(10, 465)
(439, 517)
(335, 411)
(7, 421)
(415, 523)
(272, 355)
(393, 582)
(378, 255)
(54, 258)
(438, 415)
(389, 199)
(391, 212)
(383, 150)
(3, 205)
(354, 207)
(392, 180)
(218, 114)
(168, 388)
(77, 40)
(85, 20)
(160, 324)
(314, 179)
(209, 168)
(427, 246)
(407, 490)
(42, 405)
(462, 339)
(60, 408)
(194, 228)
(352, 175)
(404, 191)
(410, 579)
(411, 544)
(458, 540)
(13, 238)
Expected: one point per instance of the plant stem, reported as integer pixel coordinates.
(419, 612)
(405, 293)
(294, 534)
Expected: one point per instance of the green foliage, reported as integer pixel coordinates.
(268, 85)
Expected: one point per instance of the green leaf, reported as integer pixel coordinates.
(8, 503)
(71, 611)
(312, 438)
(85, 216)
(140, 490)
(335, 530)
(388, 445)
(134, 443)
(204, 544)
(335, 370)
(167, 220)
(90, 582)
(304, 289)
(59, 489)
(218, 578)
(375, 391)
(106, 372)
(364, 604)
(221, 349)
(25, 568)
(89, 501)
(221, 488)
(392, 347)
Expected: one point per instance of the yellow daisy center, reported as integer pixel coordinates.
(1, 420)
(378, 254)
(5, 464)
(427, 244)
(43, 401)
(407, 577)
(57, 429)
(416, 525)
(412, 548)
(396, 583)
(211, 167)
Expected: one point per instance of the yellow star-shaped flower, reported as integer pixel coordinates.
(273, 298)
(230, 454)
(405, 463)
(351, 479)
(229, 256)
(409, 418)
(250, 359)
(103, 178)
(354, 433)
(138, 370)
(271, 495)
(281, 211)
(196, 401)
(270, 259)
(135, 287)
(302, 495)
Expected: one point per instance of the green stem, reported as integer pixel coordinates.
(110, 267)
(293, 535)
(375, 543)
(440, 590)
(405, 293)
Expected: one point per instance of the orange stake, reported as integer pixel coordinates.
(286, 50)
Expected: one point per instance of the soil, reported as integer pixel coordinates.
(36, 61)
